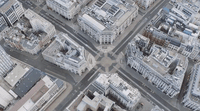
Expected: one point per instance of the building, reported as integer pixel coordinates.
(6, 63)
(27, 82)
(178, 28)
(144, 3)
(40, 96)
(5, 98)
(31, 33)
(66, 8)
(11, 10)
(191, 98)
(163, 68)
(105, 20)
(113, 85)
(156, 108)
(95, 102)
(67, 54)
(15, 75)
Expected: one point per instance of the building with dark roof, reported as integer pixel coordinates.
(27, 82)
(43, 93)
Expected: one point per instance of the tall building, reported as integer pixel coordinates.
(6, 64)
(163, 68)
(11, 10)
(31, 33)
(144, 3)
(113, 85)
(191, 98)
(67, 54)
(105, 20)
(66, 8)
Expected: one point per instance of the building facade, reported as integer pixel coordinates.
(191, 98)
(6, 63)
(107, 19)
(66, 8)
(67, 54)
(11, 10)
(112, 84)
(163, 68)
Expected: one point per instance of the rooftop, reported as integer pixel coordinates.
(108, 14)
(27, 82)
(113, 79)
(14, 76)
(167, 64)
(64, 49)
(22, 101)
(66, 3)
(99, 100)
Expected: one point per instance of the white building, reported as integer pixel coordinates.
(124, 93)
(5, 98)
(40, 96)
(99, 101)
(11, 10)
(179, 27)
(104, 20)
(6, 64)
(144, 3)
(67, 54)
(192, 97)
(31, 33)
(163, 68)
(67, 8)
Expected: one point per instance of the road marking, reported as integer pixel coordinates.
(157, 7)
(94, 73)
(54, 73)
(140, 88)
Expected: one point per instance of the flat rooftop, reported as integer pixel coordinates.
(28, 81)
(107, 14)
(14, 76)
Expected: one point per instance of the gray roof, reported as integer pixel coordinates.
(28, 81)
